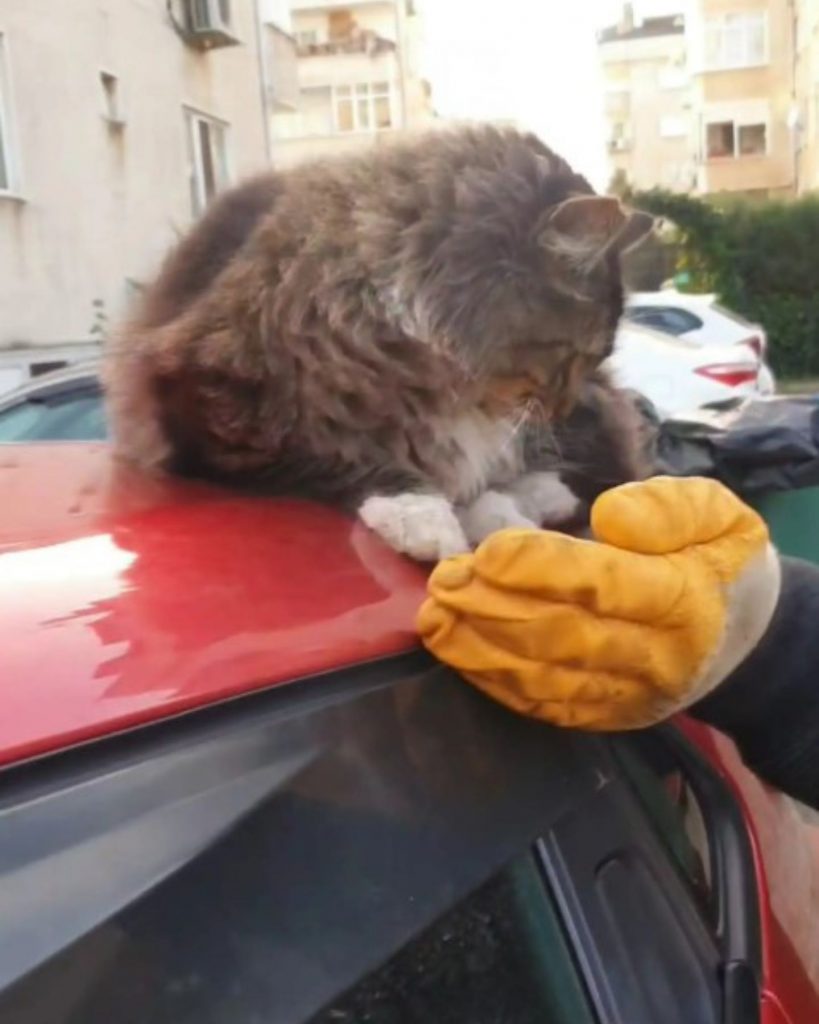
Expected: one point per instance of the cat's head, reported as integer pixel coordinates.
(522, 280)
(554, 321)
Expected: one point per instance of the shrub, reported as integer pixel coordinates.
(760, 258)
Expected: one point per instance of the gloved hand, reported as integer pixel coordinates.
(676, 589)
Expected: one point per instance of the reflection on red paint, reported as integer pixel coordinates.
(136, 599)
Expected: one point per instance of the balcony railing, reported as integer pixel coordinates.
(365, 41)
(328, 5)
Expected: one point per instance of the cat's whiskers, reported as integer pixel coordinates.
(515, 426)
(554, 443)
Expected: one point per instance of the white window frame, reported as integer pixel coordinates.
(339, 96)
(739, 122)
(8, 126)
(193, 118)
(722, 24)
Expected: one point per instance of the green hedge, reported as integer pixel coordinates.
(761, 258)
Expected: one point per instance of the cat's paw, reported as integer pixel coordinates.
(491, 512)
(545, 499)
(423, 526)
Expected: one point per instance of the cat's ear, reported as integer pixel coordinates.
(584, 228)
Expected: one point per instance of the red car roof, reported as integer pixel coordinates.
(125, 599)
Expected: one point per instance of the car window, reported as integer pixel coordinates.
(675, 813)
(499, 956)
(665, 318)
(679, 321)
(72, 416)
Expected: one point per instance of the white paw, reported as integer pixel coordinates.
(491, 512)
(423, 526)
(544, 498)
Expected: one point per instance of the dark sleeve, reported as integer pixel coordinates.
(770, 705)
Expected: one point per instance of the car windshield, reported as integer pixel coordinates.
(73, 416)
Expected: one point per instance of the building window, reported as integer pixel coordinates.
(207, 154)
(365, 107)
(8, 182)
(618, 140)
(736, 41)
(752, 139)
(729, 139)
(720, 139)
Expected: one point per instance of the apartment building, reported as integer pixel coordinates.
(742, 53)
(647, 87)
(359, 77)
(739, 125)
(119, 120)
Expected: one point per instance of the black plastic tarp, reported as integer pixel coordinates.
(754, 446)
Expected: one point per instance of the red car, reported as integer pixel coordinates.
(235, 791)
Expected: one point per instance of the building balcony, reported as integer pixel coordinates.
(363, 41)
(342, 67)
(297, 6)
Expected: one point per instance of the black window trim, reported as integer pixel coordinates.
(283, 731)
(527, 777)
(737, 933)
(733, 867)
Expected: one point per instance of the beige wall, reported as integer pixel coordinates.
(807, 78)
(281, 68)
(769, 85)
(310, 131)
(770, 92)
(98, 205)
(647, 109)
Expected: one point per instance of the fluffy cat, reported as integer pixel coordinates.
(383, 330)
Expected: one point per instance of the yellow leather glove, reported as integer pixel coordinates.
(675, 591)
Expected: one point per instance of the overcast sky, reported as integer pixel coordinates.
(530, 60)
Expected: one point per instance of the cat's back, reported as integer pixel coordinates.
(334, 206)
(195, 263)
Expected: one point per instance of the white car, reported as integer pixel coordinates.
(677, 375)
(701, 320)
(64, 405)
